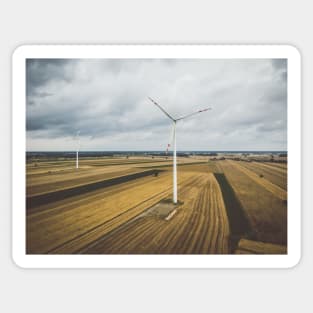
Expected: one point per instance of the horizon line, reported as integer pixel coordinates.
(157, 151)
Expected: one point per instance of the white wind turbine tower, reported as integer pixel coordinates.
(174, 143)
(77, 148)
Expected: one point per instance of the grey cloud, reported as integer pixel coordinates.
(44, 94)
(39, 72)
(279, 63)
(280, 66)
(107, 100)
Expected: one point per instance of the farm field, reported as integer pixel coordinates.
(263, 205)
(272, 173)
(123, 206)
(53, 175)
(199, 225)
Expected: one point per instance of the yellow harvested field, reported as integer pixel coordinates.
(275, 168)
(199, 226)
(47, 178)
(269, 173)
(48, 183)
(50, 228)
(276, 190)
(256, 247)
(104, 207)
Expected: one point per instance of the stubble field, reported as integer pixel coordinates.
(123, 206)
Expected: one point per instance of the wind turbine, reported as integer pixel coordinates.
(174, 142)
(77, 148)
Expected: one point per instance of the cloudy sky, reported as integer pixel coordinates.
(106, 100)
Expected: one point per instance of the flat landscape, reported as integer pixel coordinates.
(122, 205)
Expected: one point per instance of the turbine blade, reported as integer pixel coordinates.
(161, 109)
(194, 113)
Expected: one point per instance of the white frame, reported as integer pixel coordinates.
(156, 261)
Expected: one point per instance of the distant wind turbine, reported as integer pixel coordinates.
(77, 148)
(174, 142)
